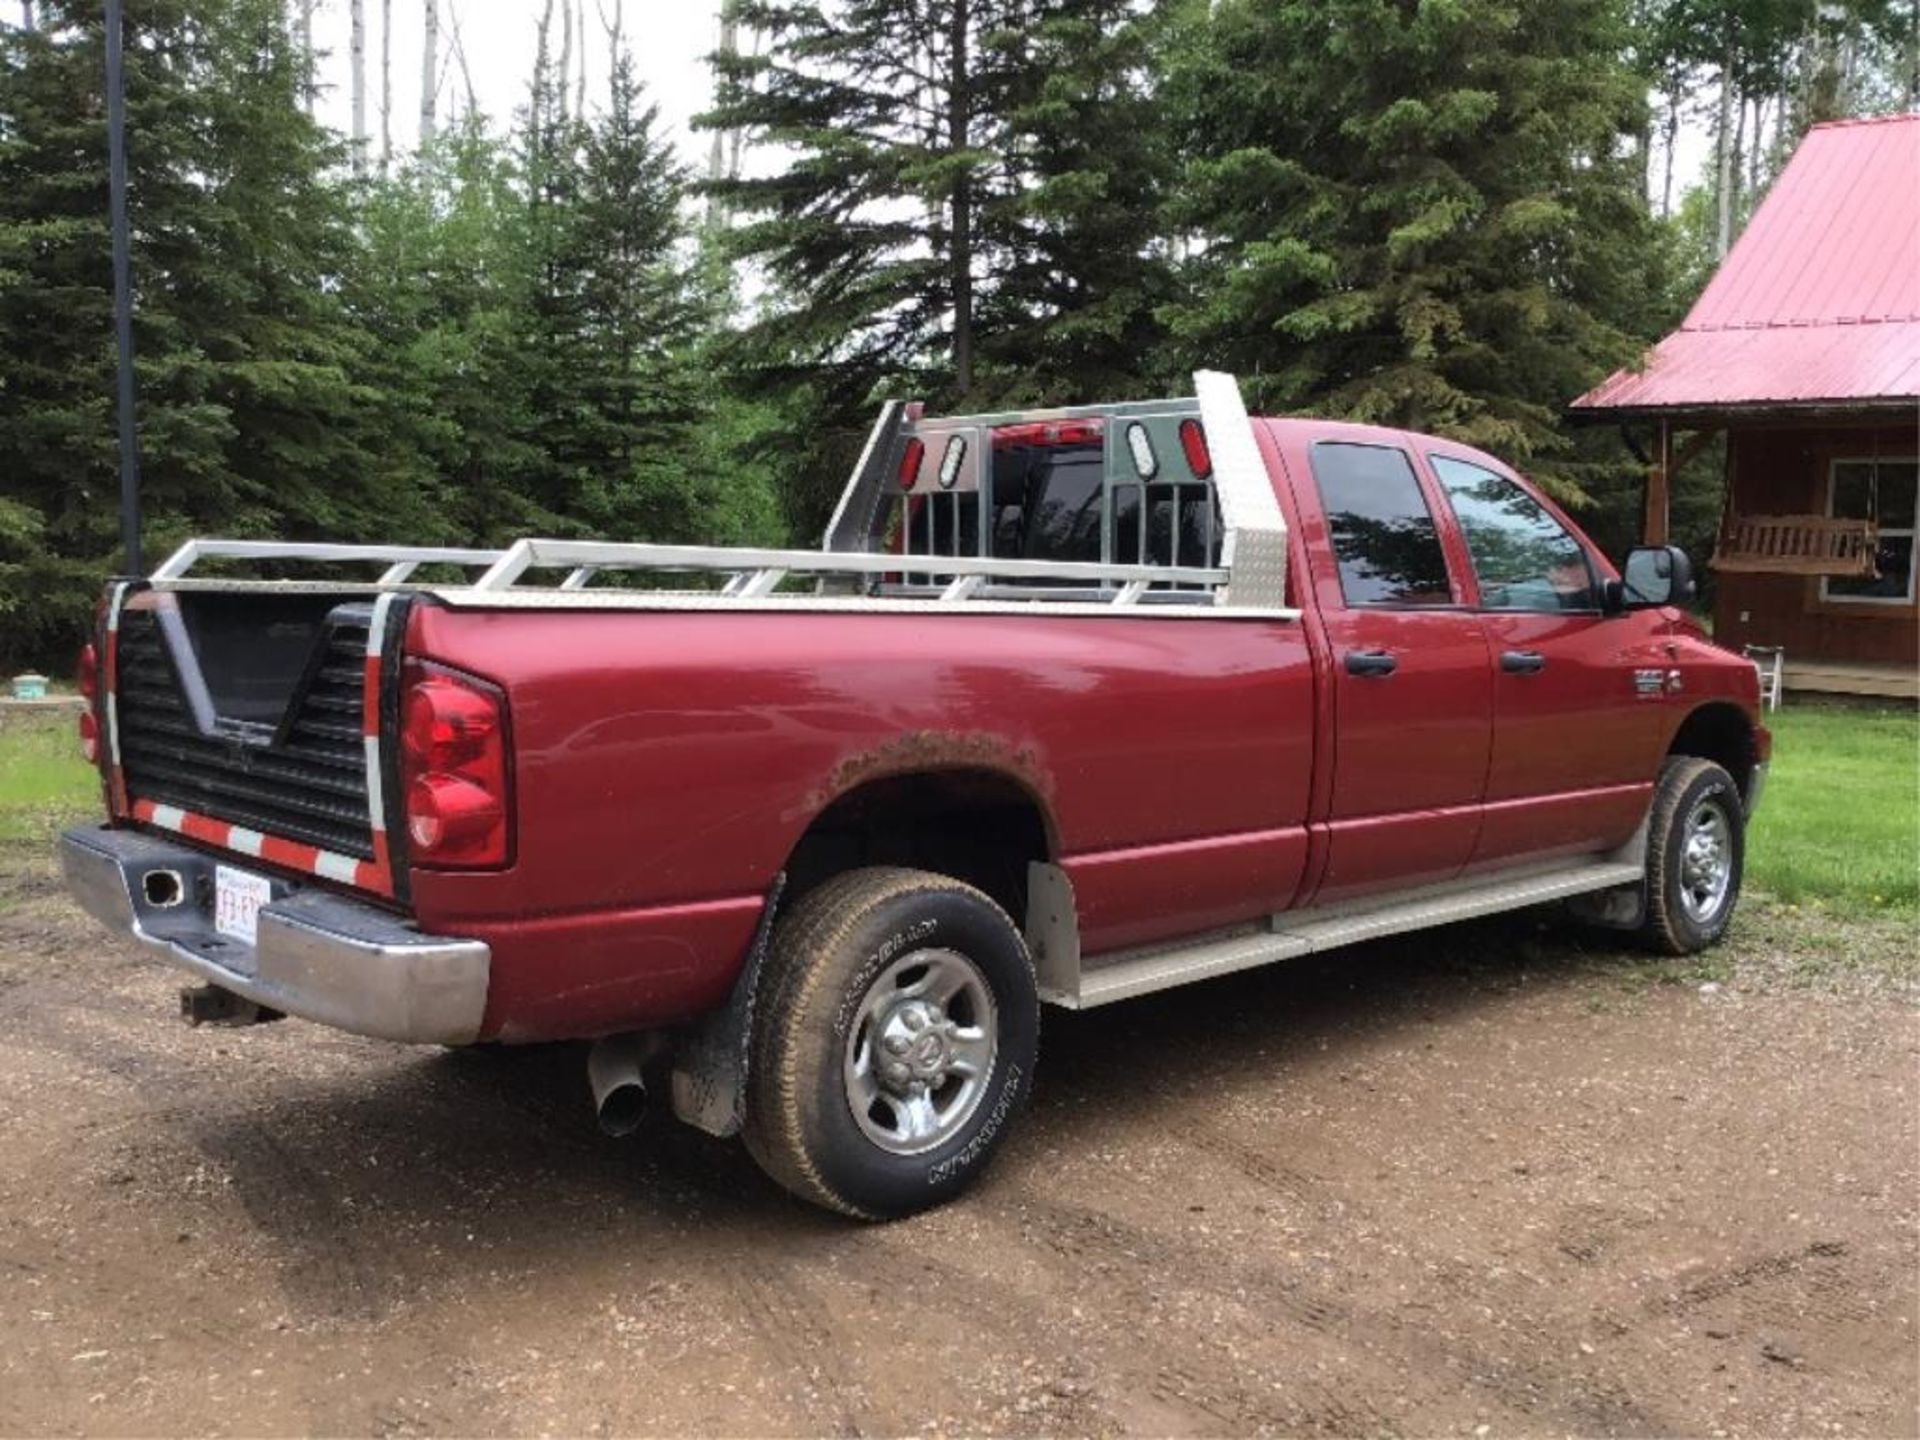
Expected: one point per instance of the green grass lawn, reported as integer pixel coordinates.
(44, 784)
(1840, 821)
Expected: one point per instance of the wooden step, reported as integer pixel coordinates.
(1123, 975)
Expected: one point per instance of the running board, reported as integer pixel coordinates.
(1303, 932)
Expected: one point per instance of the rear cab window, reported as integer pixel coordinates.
(1382, 531)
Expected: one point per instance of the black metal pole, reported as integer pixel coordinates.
(122, 290)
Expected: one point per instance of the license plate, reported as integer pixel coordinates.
(237, 898)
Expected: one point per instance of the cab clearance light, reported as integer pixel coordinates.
(1047, 433)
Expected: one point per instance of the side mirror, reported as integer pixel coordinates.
(1654, 575)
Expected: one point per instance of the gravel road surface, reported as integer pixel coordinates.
(1506, 1181)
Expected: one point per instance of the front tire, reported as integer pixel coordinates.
(894, 1043)
(1696, 854)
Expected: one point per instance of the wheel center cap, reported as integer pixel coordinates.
(914, 1045)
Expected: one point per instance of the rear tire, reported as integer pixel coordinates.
(894, 1042)
(1696, 853)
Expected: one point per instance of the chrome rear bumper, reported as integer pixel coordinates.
(317, 955)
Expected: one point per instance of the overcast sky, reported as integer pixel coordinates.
(669, 39)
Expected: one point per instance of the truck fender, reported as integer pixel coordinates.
(710, 1062)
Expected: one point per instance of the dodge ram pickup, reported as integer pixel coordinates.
(1070, 707)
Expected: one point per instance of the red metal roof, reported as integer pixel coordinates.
(1819, 302)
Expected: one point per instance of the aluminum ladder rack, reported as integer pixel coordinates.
(1246, 578)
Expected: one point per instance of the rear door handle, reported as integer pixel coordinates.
(1523, 662)
(1371, 662)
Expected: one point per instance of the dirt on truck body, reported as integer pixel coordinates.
(1071, 708)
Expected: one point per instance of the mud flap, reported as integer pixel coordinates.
(710, 1061)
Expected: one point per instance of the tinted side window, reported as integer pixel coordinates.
(1524, 558)
(1383, 533)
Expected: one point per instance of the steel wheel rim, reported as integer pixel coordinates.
(1706, 859)
(920, 1051)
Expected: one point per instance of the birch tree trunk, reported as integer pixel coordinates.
(566, 56)
(304, 28)
(960, 244)
(429, 72)
(1670, 135)
(26, 15)
(460, 59)
(718, 159)
(386, 85)
(357, 56)
(580, 83)
(1723, 161)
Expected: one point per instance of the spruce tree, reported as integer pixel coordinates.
(1422, 216)
(249, 418)
(965, 198)
(640, 403)
(1079, 261)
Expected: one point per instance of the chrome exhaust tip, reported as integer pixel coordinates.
(614, 1071)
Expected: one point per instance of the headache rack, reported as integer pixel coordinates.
(1187, 524)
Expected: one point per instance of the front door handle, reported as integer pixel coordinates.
(1371, 662)
(1523, 662)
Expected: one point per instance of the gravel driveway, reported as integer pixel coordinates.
(1509, 1181)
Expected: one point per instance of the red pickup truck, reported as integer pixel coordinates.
(1070, 707)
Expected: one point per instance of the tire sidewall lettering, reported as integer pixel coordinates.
(883, 955)
(982, 1139)
(947, 1169)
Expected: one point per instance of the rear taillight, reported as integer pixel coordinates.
(87, 678)
(1193, 444)
(910, 457)
(453, 752)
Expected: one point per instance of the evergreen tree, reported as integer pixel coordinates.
(1079, 261)
(967, 197)
(437, 284)
(249, 418)
(1424, 217)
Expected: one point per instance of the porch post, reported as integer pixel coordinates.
(1653, 525)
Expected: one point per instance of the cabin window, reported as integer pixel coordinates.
(1882, 490)
(1383, 533)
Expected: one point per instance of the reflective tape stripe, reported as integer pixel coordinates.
(377, 631)
(379, 875)
(336, 867)
(109, 678)
(288, 853)
(376, 803)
